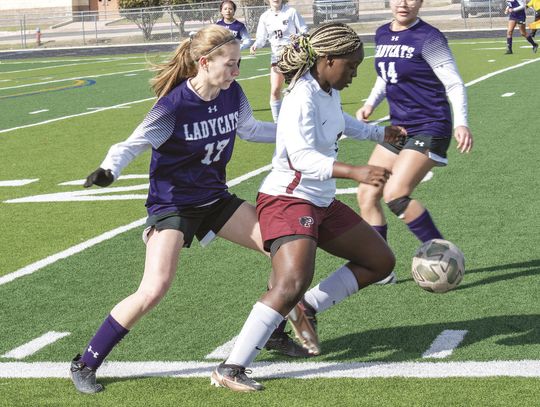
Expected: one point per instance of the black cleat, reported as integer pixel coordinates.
(281, 342)
(535, 48)
(234, 377)
(508, 51)
(83, 377)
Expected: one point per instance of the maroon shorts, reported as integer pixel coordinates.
(281, 216)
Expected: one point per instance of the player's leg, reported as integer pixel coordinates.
(369, 196)
(528, 37)
(276, 84)
(293, 266)
(243, 228)
(409, 169)
(509, 31)
(162, 251)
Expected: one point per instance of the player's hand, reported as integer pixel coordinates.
(393, 134)
(507, 10)
(364, 112)
(370, 174)
(100, 177)
(464, 138)
(253, 49)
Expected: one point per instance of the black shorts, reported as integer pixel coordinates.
(434, 147)
(204, 222)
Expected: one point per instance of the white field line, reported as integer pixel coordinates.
(298, 370)
(222, 352)
(83, 60)
(508, 94)
(73, 79)
(17, 182)
(101, 109)
(32, 268)
(80, 182)
(444, 345)
(35, 345)
(38, 111)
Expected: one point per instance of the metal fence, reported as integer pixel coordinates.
(170, 24)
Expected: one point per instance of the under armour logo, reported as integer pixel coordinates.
(419, 143)
(306, 221)
(95, 354)
(212, 109)
(394, 38)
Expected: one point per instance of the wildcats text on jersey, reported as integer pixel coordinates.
(394, 51)
(211, 127)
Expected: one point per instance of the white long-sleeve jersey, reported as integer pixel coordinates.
(311, 122)
(277, 27)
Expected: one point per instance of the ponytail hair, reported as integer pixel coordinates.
(302, 52)
(184, 62)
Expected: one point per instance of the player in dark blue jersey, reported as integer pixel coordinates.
(417, 74)
(191, 130)
(227, 9)
(516, 16)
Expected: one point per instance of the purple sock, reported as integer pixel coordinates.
(509, 42)
(424, 228)
(381, 230)
(108, 335)
(531, 41)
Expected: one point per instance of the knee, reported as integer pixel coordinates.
(291, 291)
(151, 296)
(368, 195)
(399, 205)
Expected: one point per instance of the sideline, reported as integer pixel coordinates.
(298, 370)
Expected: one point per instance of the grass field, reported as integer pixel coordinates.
(68, 255)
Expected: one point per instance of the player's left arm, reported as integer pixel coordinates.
(439, 57)
(245, 38)
(251, 129)
(518, 8)
(299, 23)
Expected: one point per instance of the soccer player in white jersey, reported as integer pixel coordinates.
(417, 74)
(191, 130)
(276, 25)
(296, 204)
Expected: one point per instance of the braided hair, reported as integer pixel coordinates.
(302, 52)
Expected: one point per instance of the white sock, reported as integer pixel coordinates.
(275, 106)
(260, 324)
(332, 290)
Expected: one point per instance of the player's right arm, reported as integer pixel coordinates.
(377, 95)
(261, 36)
(155, 129)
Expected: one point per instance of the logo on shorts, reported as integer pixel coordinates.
(419, 143)
(306, 221)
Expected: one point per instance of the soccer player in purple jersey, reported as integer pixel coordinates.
(191, 130)
(227, 9)
(296, 204)
(516, 16)
(417, 73)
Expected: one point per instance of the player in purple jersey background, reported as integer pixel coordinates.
(227, 9)
(191, 131)
(516, 16)
(417, 74)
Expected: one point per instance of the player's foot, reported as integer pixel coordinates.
(234, 377)
(391, 279)
(281, 342)
(83, 377)
(535, 48)
(304, 323)
(508, 51)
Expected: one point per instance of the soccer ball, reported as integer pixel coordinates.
(438, 266)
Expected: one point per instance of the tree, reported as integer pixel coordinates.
(252, 12)
(144, 13)
(187, 10)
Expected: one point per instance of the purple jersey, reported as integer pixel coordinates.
(405, 61)
(238, 28)
(191, 146)
(519, 15)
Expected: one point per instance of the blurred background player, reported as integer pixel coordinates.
(191, 130)
(227, 9)
(535, 5)
(417, 74)
(296, 204)
(516, 16)
(276, 25)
